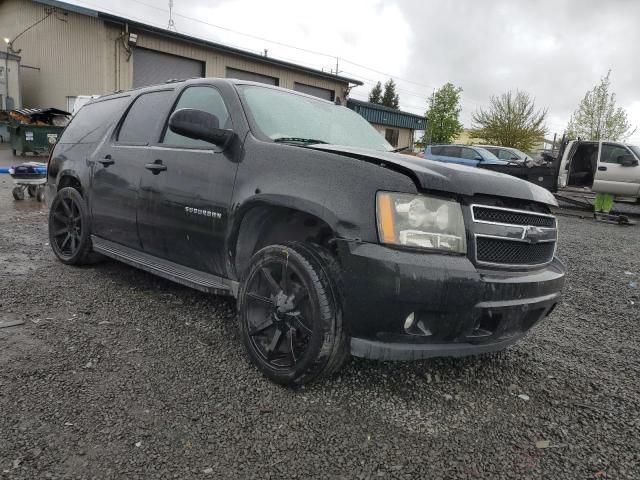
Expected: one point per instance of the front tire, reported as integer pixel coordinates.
(18, 193)
(69, 233)
(290, 313)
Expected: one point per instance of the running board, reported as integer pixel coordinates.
(189, 277)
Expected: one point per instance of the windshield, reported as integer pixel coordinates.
(295, 118)
(486, 154)
(520, 153)
(635, 149)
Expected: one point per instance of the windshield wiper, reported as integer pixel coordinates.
(401, 149)
(306, 141)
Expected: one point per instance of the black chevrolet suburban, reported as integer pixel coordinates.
(332, 243)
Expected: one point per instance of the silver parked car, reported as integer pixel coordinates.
(508, 153)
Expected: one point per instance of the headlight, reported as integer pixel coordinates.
(420, 221)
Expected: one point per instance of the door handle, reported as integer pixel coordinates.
(602, 169)
(107, 160)
(156, 167)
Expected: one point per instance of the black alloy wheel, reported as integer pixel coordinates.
(290, 314)
(280, 314)
(69, 227)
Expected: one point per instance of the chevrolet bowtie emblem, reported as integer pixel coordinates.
(534, 234)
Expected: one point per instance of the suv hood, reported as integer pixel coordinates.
(449, 177)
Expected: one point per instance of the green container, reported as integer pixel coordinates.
(37, 139)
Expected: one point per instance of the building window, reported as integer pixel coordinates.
(391, 135)
(2, 75)
(323, 93)
(252, 77)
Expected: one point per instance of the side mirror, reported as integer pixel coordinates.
(627, 160)
(199, 125)
(479, 158)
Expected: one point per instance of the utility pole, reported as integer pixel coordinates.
(337, 71)
(172, 24)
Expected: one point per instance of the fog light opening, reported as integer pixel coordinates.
(408, 323)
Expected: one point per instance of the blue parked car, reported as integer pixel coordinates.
(463, 154)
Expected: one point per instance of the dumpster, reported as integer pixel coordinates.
(36, 130)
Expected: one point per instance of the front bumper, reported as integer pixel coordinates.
(463, 310)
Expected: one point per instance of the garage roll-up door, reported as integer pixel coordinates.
(315, 91)
(151, 67)
(251, 76)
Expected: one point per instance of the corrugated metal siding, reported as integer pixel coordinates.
(384, 116)
(71, 54)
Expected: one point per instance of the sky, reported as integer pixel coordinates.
(554, 50)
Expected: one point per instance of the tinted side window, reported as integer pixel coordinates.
(492, 150)
(507, 155)
(451, 152)
(610, 153)
(93, 120)
(469, 153)
(204, 98)
(143, 120)
(437, 150)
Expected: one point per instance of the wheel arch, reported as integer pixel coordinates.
(69, 178)
(278, 219)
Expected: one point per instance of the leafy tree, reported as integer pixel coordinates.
(597, 117)
(390, 98)
(375, 95)
(443, 115)
(510, 121)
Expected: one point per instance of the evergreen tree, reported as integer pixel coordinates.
(375, 95)
(390, 98)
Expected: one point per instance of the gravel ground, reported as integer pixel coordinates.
(118, 374)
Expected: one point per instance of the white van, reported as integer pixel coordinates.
(610, 167)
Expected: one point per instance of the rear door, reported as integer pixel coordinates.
(611, 175)
(118, 165)
(468, 156)
(184, 207)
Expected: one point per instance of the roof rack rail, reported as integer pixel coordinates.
(175, 80)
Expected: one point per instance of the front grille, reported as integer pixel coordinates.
(512, 217)
(510, 252)
(513, 237)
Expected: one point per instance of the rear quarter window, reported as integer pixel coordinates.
(93, 120)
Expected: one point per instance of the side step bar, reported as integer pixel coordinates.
(189, 277)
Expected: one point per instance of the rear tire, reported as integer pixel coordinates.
(290, 313)
(69, 228)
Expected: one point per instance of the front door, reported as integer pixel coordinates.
(611, 175)
(118, 165)
(184, 207)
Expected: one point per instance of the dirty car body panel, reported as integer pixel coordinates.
(209, 211)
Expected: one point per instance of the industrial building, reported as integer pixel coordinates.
(396, 126)
(69, 51)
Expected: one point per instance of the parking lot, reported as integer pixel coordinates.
(117, 373)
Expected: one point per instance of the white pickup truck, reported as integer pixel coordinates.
(610, 167)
